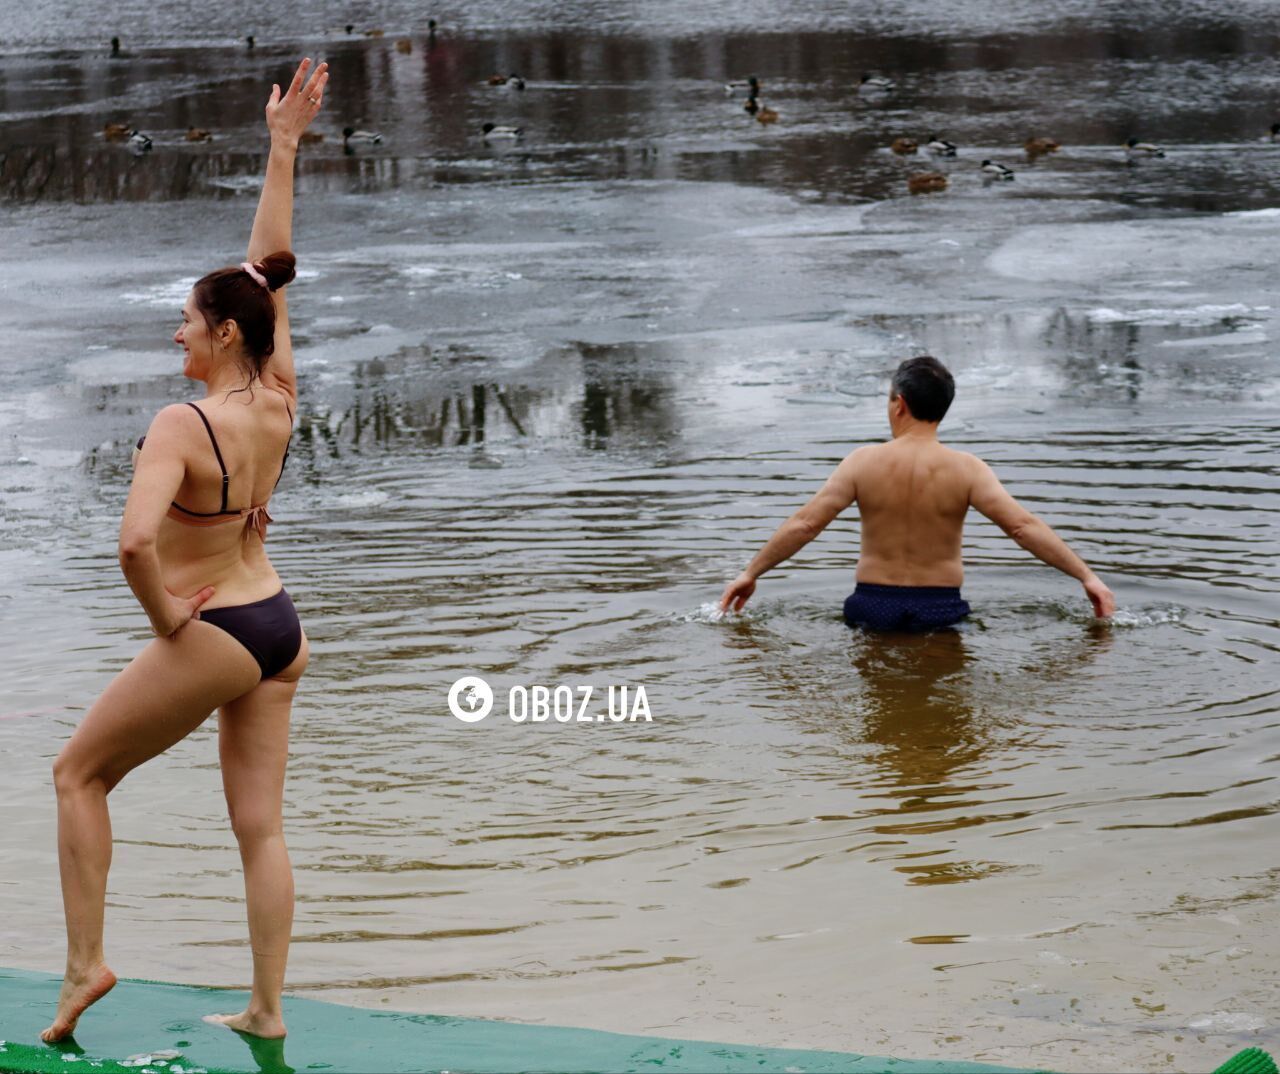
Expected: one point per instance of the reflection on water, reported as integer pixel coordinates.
(552, 398)
(632, 107)
(918, 709)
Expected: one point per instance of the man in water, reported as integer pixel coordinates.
(913, 494)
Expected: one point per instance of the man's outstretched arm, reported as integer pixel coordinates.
(990, 497)
(838, 493)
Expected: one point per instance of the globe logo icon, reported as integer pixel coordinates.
(470, 699)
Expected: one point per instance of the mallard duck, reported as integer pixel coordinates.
(351, 136)
(940, 147)
(1136, 150)
(374, 33)
(403, 44)
(1275, 132)
(139, 142)
(115, 46)
(199, 134)
(310, 138)
(876, 84)
(926, 183)
(249, 42)
(904, 146)
(752, 106)
(751, 87)
(1038, 147)
(349, 29)
(515, 82)
(116, 132)
(766, 115)
(494, 133)
(992, 170)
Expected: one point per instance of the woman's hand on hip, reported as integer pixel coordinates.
(180, 611)
(288, 116)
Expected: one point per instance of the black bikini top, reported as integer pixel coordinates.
(257, 514)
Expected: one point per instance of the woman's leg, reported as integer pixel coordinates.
(164, 693)
(253, 741)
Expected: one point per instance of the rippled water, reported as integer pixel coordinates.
(553, 398)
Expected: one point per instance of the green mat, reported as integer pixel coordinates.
(1250, 1061)
(141, 1018)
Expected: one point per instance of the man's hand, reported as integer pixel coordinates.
(737, 593)
(1103, 600)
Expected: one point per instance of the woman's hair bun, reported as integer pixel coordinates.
(278, 269)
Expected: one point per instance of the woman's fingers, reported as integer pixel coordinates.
(302, 88)
(296, 84)
(315, 84)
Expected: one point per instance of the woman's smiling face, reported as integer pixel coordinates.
(197, 342)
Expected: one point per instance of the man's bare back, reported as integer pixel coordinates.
(913, 494)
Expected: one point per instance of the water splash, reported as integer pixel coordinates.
(1156, 615)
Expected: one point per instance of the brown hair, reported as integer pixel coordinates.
(231, 294)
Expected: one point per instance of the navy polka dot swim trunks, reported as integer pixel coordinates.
(904, 607)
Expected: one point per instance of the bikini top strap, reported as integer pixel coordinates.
(218, 452)
(286, 449)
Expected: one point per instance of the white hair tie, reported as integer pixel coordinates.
(254, 274)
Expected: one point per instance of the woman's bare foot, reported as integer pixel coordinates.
(259, 1025)
(79, 992)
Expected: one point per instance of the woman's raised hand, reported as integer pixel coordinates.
(288, 116)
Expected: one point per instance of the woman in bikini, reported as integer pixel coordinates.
(227, 635)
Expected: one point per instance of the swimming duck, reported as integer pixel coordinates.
(992, 170)
(115, 46)
(926, 183)
(374, 33)
(1275, 132)
(751, 86)
(139, 142)
(199, 134)
(876, 84)
(249, 42)
(940, 147)
(349, 29)
(116, 132)
(1038, 147)
(494, 133)
(403, 44)
(904, 146)
(515, 82)
(1136, 150)
(766, 115)
(352, 136)
(752, 105)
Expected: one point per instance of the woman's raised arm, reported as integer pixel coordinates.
(287, 117)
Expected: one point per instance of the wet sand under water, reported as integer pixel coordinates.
(554, 399)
